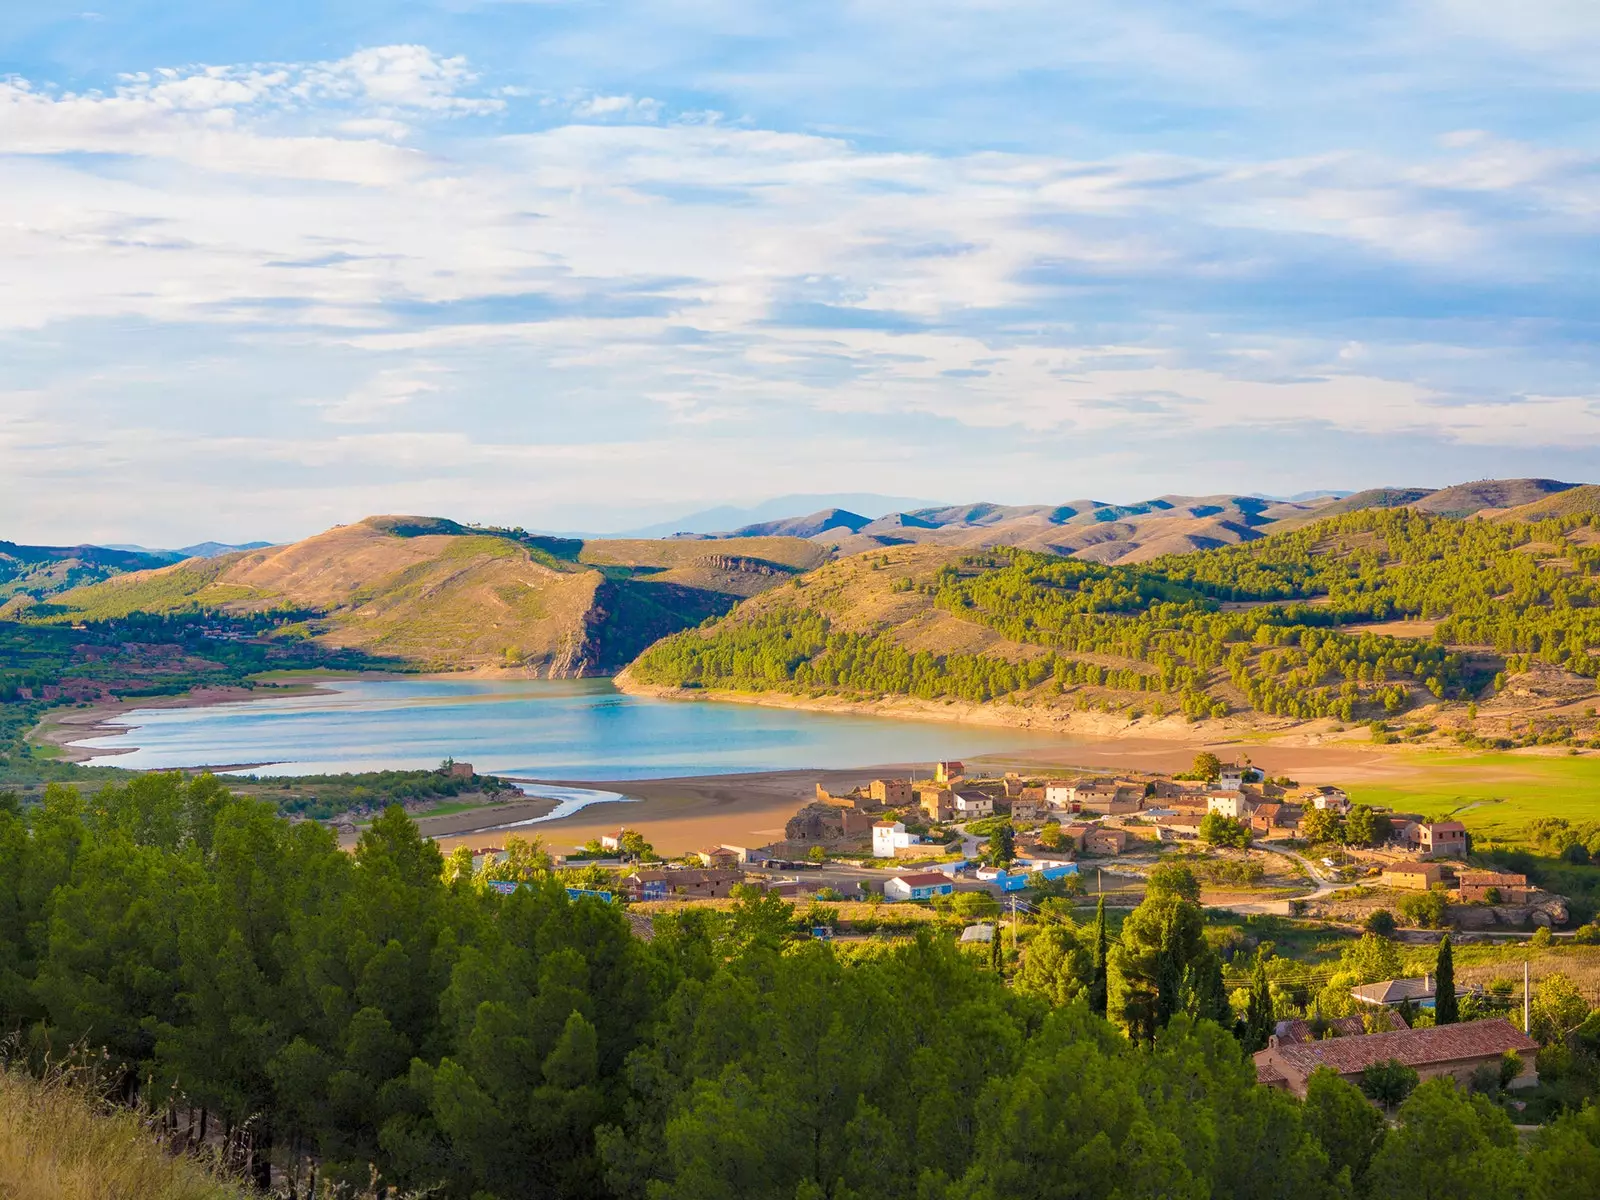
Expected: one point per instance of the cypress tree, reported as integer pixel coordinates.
(1258, 1018)
(996, 953)
(1102, 948)
(1445, 1009)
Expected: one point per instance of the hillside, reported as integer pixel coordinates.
(56, 1143)
(439, 595)
(1487, 626)
(41, 571)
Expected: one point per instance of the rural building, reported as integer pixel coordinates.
(1229, 803)
(1391, 992)
(1456, 1050)
(1328, 798)
(1179, 824)
(891, 793)
(852, 800)
(669, 884)
(1058, 794)
(1029, 805)
(1495, 887)
(949, 772)
(1440, 839)
(1104, 840)
(1012, 783)
(937, 803)
(970, 804)
(718, 856)
(890, 836)
(924, 885)
(825, 822)
(488, 854)
(460, 770)
(1265, 818)
(1074, 834)
(1411, 876)
(1230, 778)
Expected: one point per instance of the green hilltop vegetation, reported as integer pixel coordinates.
(1290, 626)
(388, 1018)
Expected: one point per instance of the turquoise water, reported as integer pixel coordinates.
(559, 729)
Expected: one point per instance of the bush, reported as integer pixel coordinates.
(1380, 922)
(1425, 910)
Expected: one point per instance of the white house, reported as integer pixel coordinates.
(970, 805)
(1232, 803)
(1329, 798)
(887, 836)
(924, 885)
(1230, 778)
(1058, 795)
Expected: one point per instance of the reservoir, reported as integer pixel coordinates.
(583, 729)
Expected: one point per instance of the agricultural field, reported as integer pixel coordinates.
(1495, 795)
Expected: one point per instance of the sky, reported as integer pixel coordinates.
(269, 267)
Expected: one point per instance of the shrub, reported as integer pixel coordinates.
(1380, 922)
(1425, 910)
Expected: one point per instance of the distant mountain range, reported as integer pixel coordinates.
(198, 550)
(1106, 532)
(712, 520)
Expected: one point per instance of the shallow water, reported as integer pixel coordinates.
(558, 729)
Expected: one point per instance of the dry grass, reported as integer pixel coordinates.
(57, 1144)
(847, 910)
(1484, 965)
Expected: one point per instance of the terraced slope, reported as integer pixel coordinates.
(443, 596)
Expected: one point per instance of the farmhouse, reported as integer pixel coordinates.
(666, 884)
(890, 836)
(1495, 887)
(1230, 803)
(970, 804)
(924, 885)
(1439, 839)
(1105, 840)
(1411, 876)
(1456, 1050)
(1390, 992)
(1029, 805)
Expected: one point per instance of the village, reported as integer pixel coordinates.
(987, 853)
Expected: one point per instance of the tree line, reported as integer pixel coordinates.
(379, 1012)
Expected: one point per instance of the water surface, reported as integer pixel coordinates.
(557, 729)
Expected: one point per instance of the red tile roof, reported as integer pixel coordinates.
(1268, 1074)
(1414, 1047)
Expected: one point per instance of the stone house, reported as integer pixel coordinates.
(1411, 876)
(1103, 839)
(1495, 887)
(891, 793)
(937, 803)
(1438, 839)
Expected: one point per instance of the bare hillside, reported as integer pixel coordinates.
(445, 597)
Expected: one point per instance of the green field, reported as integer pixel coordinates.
(1494, 795)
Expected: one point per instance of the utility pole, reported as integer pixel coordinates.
(1525, 1005)
(1013, 924)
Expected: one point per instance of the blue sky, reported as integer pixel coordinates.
(269, 267)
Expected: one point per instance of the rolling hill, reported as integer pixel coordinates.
(444, 596)
(40, 571)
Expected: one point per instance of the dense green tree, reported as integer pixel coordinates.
(1388, 1083)
(1340, 1118)
(1445, 1145)
(1260, 1016)
(1445, 1008)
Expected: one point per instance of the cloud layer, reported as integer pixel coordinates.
(258, 297)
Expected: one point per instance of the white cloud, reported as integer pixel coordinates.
(666, 279)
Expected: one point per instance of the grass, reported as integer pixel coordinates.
(1494, 795)
(56, 1143)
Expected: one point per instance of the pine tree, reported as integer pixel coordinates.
(1169, 973)
(1102, 946)
(1445, 1009)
